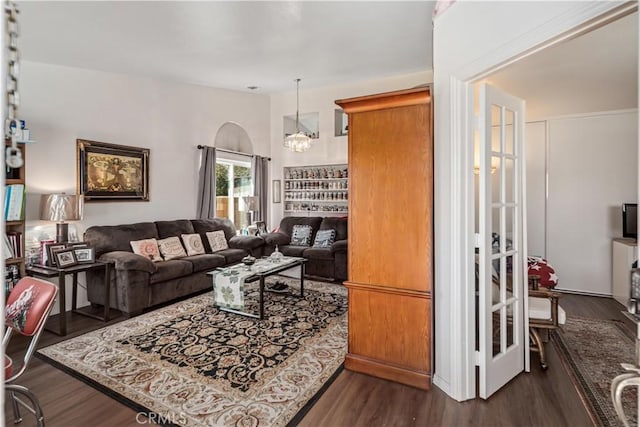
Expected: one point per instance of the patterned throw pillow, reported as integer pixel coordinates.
(324, 238)
(171, 248)
(193, 243)
(148, 248)
(540, 267)
(301, 235)
(217, 240)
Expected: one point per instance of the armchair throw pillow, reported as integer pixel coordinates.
(148, 248)
(324, 238)
(193, 244)
(540, 267)
(301, 235)
(217, 240)
(171, 248)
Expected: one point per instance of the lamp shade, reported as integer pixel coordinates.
(250, 203)
(61, 207)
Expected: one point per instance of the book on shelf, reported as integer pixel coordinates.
(14, 202)
(13, 240)
(7, 248)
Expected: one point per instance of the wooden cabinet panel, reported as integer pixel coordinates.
(390, 235)
(391, 191)
(390, 326)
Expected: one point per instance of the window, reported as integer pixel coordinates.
(233, 181)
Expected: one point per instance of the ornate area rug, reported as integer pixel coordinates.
(191, 364)
(592, 350)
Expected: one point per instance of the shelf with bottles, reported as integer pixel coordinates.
(317, 196)
(316, 172)
(317, 184)
(310, 206)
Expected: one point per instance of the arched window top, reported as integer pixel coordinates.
(231, 136)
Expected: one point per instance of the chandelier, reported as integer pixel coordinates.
(298, 142)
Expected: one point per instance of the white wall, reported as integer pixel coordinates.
(328, 149)
(472, 39)
(536, 155)
(61, 104)
(593, 170)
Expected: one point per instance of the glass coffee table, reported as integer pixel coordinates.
(230, 281)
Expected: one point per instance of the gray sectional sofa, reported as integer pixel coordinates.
(138, 283)
(328, 262)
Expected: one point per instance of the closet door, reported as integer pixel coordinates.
(390, 236)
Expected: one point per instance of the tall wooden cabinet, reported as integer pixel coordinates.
(390, 235)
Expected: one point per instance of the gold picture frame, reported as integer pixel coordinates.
(110, 172)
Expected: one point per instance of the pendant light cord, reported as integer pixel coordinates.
(297, 105)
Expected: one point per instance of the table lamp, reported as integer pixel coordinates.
(250, 205)
(61, 207)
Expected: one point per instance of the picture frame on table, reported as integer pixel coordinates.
(65, 258)
(77, 245)
(262, 228)
(85, 254)
(51, 248)
(110, 172)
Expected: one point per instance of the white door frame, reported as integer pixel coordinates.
(517, 30)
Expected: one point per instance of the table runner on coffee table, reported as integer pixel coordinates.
(228, 282)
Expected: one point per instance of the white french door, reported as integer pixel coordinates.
(503, 327)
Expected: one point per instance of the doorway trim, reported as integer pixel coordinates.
(517, 31)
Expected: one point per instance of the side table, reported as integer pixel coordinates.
(61, 273)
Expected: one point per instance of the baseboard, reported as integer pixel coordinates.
(379, 369)
(589, 294)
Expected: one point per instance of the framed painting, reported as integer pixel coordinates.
(109, 172)
(276, 195)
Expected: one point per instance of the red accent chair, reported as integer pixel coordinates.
(26, 311)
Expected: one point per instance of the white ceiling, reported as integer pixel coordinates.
(233, 44)
(595, 72)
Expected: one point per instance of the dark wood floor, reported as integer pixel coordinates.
(534, 399)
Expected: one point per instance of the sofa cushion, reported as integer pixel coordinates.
(277, 238)
(232, 256)
(109, 238)
(193, 244)
(206, 262)
(174, 228)
(246, 242)
(340, 224)
(171, 248)
(287, 223)
(217, 241)
(318, 253)
(125, 260)
(148, 248)
(168, 270)
(202, 226)
(324, 238)
(339, 246)
(290, 250)
(301, 235)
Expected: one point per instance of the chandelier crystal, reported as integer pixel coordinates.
(298, 142)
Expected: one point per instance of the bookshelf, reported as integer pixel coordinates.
(15, 228)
